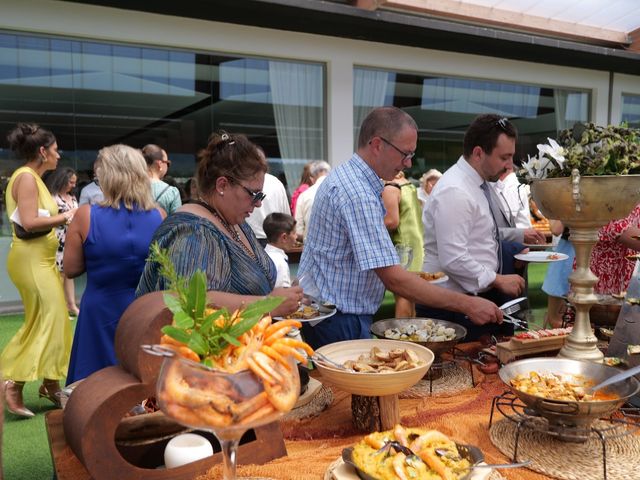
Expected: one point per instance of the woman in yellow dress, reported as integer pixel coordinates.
(40, 349)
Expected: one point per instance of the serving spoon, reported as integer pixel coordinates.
(441, 452)
(618, 377)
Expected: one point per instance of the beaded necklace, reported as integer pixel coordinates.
(227, 226)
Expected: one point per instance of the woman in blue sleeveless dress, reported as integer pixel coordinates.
(211, 234)
(109, 241)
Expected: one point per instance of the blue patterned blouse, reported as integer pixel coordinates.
(196, 243)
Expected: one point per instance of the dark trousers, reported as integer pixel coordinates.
(474, 332)
(341, 326)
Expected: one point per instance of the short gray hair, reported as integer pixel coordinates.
(319, 167)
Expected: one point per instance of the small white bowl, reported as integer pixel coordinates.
(186, 448)
(372, 384)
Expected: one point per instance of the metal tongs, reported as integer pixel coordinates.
(511, 307)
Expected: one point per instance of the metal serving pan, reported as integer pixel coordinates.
(564, 411)
(378, 328)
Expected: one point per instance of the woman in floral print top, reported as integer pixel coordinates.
(608, 259)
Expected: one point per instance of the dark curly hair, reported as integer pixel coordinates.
(228, 155)
(27, 138)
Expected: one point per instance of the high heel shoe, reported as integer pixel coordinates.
(50, 389)
(13, 399)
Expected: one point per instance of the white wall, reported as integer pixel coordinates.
(339, 55)
(622, 84)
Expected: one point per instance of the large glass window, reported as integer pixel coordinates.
(631, 110)
(443, 107)
(92, 94)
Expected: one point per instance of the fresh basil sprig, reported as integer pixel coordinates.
(210, 334)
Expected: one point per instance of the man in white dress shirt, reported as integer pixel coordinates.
(319, 171)
(275, 201)
(514, 199)
(461, 235)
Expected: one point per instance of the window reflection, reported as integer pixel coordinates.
(631, 110)
(92, 94)
(443, 107)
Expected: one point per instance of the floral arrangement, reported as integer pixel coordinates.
(588, 148)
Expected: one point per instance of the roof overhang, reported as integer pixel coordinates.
(342, 19)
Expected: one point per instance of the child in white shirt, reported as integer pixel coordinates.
(280, 230)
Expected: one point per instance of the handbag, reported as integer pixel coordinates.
(22, 234)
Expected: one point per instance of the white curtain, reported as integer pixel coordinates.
(475, 96)
(297, 92)
(570, 107)
(369, 91)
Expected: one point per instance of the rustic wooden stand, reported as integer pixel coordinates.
(375, 414)
(97, 405)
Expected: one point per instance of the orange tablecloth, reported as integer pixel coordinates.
(314, 444)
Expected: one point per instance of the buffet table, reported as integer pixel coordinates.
(314, 444)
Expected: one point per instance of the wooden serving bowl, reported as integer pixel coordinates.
(372, 384)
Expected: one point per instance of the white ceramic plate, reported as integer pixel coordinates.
(439, 280)
(541, 257)
(319, 318)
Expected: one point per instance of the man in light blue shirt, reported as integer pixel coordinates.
(348, 257)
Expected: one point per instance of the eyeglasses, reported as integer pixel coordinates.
(405, 155)
(255, 196)
(503, 123)
(168, 162)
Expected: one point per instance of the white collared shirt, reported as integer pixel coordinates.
(275, 201)
(281, 261)
(303, 207)
(459, 232)
(514, 198)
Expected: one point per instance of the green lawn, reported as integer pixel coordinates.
(26, 450)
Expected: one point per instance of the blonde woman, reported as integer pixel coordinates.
(109, 241)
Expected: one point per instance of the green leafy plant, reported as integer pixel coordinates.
(206, 330)
(588, 148)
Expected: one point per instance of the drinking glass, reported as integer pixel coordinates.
(405, 252)
(226, 404)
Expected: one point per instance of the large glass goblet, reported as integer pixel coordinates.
(226, 404)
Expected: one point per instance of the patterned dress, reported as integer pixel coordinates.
(608, 259)
(61, 231)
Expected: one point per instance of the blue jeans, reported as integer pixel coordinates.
(342, 326)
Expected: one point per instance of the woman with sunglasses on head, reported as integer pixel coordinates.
(211, 233)
(40, 349)
(165, 195)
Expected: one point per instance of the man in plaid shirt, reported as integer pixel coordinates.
(348, 257)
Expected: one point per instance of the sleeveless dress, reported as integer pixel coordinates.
(115, 251)
(40, 348)
(410, 231)
(196, 243)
